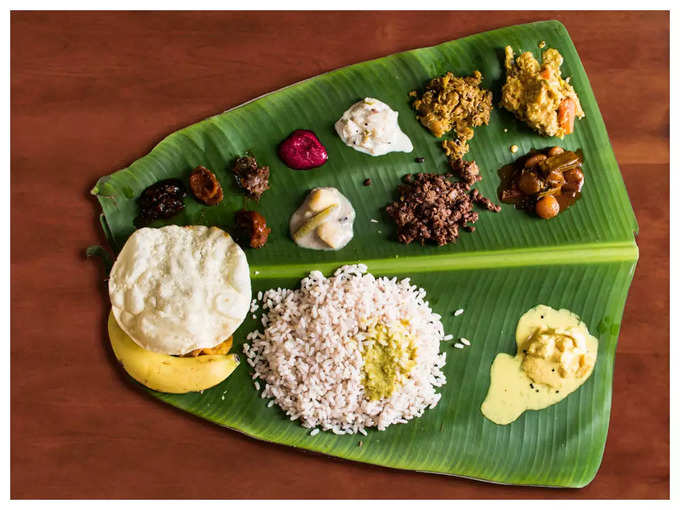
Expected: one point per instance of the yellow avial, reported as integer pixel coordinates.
(555, 356)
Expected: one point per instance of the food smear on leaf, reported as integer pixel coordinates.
(303, 150)
(389, 353)
(251, 228)
(453, 103)
(324, 221)
(252, 178)
(205, 186)
(537, 94)
(161, 200)
(545, 182)
(371, 126)
(555, 355)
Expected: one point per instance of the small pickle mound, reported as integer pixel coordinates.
(450, 102)
(389, 354)
(303, 150)
(161, 200)
(252, 178)
(205, 186)
(251, 228)
(538, 95)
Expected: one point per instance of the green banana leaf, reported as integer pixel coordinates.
(582, 260)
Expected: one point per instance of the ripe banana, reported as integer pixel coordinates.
(169, 374)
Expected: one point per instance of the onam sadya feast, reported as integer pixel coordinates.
(350, 352)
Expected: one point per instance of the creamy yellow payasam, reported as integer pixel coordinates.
(555, 355)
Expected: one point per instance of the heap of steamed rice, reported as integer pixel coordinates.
(309, 353)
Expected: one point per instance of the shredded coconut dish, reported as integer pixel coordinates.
(348, 352)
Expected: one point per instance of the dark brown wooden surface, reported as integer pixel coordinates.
(91, 92)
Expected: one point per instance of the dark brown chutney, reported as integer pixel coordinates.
(161, 201)
(545, 182)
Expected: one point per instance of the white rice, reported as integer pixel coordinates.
(311, 365)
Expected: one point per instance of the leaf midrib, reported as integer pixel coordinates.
(593, 253)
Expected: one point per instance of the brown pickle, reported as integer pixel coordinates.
(252, 178)
(251, 228)
(546, 182)
(161, 200)
(205, 186)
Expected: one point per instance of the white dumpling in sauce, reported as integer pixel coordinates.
(324, 221)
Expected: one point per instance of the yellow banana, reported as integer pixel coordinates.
(169, 374)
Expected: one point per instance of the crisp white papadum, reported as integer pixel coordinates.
(175, 289)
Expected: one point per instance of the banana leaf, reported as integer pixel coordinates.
(582, 260)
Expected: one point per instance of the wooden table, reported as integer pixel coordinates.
(91, 92)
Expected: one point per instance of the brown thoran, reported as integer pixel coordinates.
(253, 179)
(432, 208)
(450, 102)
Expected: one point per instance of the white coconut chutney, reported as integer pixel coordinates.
(370, 126)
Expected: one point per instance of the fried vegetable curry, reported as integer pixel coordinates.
(538, 95)
(545, 182)
(450, 102)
